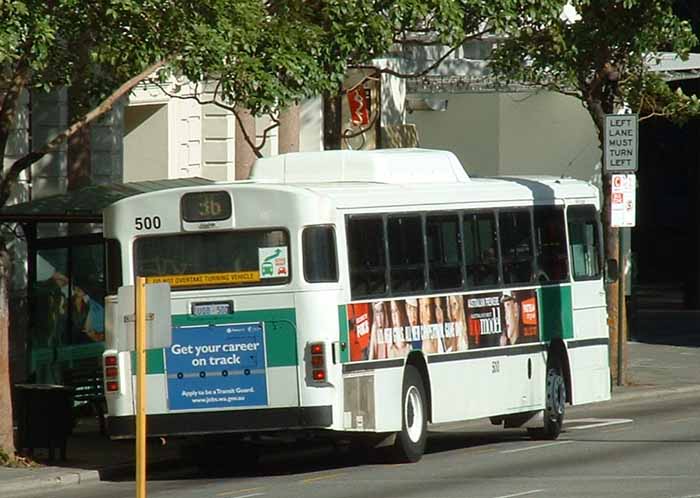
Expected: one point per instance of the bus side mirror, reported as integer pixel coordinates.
(612, 270)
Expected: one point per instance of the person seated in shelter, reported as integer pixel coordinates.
(87, 316)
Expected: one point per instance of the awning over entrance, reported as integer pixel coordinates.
(85, 205)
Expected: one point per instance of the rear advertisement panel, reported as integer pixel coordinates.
(216, 366)
(392, 328)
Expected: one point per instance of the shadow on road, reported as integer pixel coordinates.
(245, 461)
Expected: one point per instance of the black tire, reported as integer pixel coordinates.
(555, 392)
(410, 441)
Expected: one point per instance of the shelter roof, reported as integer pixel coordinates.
(85, 205)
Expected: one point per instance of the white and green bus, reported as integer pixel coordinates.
(361, 293)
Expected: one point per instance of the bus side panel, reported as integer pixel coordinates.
(588, 351)
(466, 389)
(526, 377)
(590, 375)
(589, 308)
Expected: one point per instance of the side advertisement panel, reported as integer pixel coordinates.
(392, 328)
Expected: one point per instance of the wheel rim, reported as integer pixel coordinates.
(557, 397)
(413, 414)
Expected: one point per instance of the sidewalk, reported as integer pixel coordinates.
(664, 362)
(90, 457)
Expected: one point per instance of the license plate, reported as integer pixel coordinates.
(218, 308)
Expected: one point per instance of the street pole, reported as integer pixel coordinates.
(620, 312)
(140, 387)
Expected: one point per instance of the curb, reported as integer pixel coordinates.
(63, 477)
(633, 393)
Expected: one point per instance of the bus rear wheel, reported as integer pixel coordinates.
(410, 442)
(555, 391)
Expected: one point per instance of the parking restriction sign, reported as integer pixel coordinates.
(623, 200)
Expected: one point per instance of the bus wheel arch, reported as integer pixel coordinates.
(410, 441)
(557, 355)
(417, 360)
(557, 391)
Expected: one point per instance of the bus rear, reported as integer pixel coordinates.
(233, 358)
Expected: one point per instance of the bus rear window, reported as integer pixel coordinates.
(214, 259)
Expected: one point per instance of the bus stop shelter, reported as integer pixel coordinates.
(65, 270)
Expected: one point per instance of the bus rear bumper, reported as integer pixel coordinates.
(199, 423)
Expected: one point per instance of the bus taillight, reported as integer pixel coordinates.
(111, 373)
(318, 361)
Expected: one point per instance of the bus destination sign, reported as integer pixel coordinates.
(206, 206)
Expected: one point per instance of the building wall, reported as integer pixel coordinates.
(311, 125)
(513, 133)
(146, 144)
(546, 133)
(49, 116)
(469, 127)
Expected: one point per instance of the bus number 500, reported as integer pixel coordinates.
(147, 222)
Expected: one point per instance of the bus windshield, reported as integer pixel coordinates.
(222, 259)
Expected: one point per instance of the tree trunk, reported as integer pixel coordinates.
(331, 121)
(244, 155)
(6, 433)
(289, 130)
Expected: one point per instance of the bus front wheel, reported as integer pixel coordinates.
(410, 442)
(555, 391)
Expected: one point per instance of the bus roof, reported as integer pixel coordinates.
(396, 177)
(383, 165)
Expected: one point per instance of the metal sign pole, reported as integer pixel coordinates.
(140, 387)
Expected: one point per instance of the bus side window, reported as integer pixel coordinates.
(550, 240)
(516, 246)
(444, 252)
(480, 248)
(584, 242)
(406, 257)
(367, 256)
(320, 263)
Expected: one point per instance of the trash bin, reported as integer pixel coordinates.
(44, 417)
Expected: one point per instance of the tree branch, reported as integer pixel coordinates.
(105, 106)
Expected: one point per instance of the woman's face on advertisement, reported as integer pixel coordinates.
(439, 313)
(455, 308)
(412, 312)
(511, 311)
(395, 315)
(424, 305)
(378, 313)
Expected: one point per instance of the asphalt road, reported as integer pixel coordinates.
(643, 448)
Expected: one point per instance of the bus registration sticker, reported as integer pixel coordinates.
(273, 262)
(217, 366)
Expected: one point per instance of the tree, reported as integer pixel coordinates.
(602, 56)
(108, 47)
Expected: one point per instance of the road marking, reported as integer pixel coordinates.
(539, 446)
(476, 450)
(320, 478)
(590, 423)
(524, 493)
(247, 490)
(685, 419)
(242, 496)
